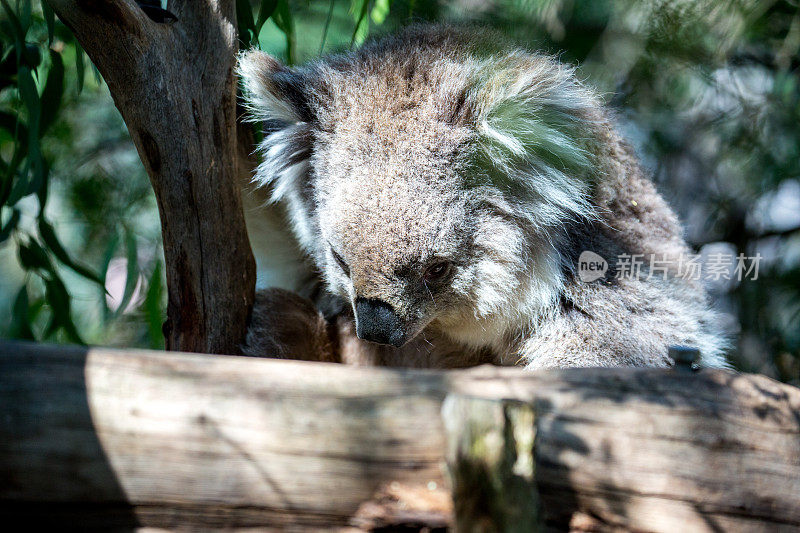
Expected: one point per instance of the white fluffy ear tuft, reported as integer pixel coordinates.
(264, 81)
(277, 96)
(536, 126)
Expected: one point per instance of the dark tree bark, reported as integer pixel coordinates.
(175, 85)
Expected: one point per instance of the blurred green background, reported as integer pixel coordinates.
(708, 92)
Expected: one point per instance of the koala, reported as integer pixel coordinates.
(434, 192)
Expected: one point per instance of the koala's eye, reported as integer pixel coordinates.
(340, 261)
(437, 271)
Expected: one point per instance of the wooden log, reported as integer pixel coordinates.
(126, 438)
(490, 461)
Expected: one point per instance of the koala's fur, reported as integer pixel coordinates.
(439, 144)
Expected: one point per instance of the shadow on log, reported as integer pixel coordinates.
(49, 449)
(195, 441)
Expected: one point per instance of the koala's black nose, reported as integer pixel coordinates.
(376, 321)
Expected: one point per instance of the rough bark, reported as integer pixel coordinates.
(490, 464)
(175, 85)
(136, 438)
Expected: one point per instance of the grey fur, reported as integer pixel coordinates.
(440, 144)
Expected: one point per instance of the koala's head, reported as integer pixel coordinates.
(424, 178)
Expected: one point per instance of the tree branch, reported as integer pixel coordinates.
(175, 86)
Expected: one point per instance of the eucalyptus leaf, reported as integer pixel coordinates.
(359, 8)
(49, 237)
(31, 56)
(244, 18)
(34, 257)
(30, 98)
(41, 185)
(265, 11)
(132, 274)
(19, 184)
(110, 250)
(32, 102)
(50, 20)
(59, 301)
(380, 11)
(14, 125)
(24, 7)
(14, 185)
(21, 327)
(283, 19)
(9, 226)
(53, 92)
(39, 173)
(80, 66)
(328, 19)
(18, 32)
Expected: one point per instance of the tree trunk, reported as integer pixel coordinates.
(180, 441)
(175, 85)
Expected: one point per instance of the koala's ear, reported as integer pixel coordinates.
(278, 96)
(539, 125)
(273, 92)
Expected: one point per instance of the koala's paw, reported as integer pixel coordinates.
(285, 325)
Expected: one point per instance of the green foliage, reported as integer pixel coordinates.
(34, 131)
(250, 27)
(359, 10)
(31, 94)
